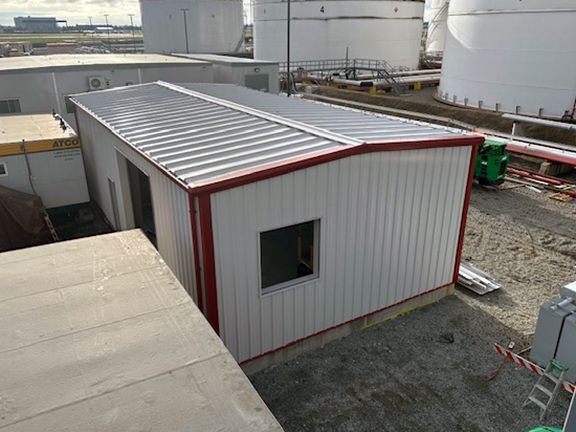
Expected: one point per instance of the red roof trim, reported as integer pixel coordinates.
(286, 166)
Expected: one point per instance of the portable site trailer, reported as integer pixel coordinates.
(40, 155)
(287, 221)
(255, 74)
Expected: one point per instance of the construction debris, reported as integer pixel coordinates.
(559, 196)
(538, 182)
(476, 280)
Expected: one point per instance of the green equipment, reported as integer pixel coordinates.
(491, 163)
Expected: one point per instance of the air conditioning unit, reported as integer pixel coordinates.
(97, 83)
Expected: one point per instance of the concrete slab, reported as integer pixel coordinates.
(98, 335)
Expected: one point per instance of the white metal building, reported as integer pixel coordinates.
(389, 30)
(199, 26)
(255, 74)
(40, 84)
(283, 218)
(36, 24)
(511, 56)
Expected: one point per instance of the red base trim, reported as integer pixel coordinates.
(342, 324)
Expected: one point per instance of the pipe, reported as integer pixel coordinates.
(356, 83)
(533, 120)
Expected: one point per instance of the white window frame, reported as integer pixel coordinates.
(298, 281)
(5, 165)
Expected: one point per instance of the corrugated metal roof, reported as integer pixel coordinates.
(203, 132)
(365, 126)
(197, 138)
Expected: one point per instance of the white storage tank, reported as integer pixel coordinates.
(436, 15)
(376, 29)
(511, 56)
(211, 26)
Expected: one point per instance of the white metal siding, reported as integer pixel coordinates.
(41, 91)
(170, 202)
(389, 231)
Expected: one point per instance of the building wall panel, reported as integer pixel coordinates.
(389, 225)
(42, 90)
(103, 154)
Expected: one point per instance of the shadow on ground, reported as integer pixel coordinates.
(424, 371)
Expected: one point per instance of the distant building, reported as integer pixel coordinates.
(40, 84)
(37, 24)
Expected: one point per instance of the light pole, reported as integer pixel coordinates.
(288, 76)
(91, 27)
(108, 31)
(132, 26)
(184, 11)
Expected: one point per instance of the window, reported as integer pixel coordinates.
(3, 170)
(9, 106)
(289, 255)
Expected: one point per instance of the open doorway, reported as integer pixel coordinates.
(141, 201)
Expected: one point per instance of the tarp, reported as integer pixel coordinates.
(22, 221)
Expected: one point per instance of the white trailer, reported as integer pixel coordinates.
(40, 155)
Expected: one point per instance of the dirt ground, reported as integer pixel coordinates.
(427, 369)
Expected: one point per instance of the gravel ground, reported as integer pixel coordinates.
(528, 243)
(428, 368)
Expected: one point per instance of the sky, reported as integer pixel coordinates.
(74, 11)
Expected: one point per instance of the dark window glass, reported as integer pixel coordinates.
(9, 106)
(288, 254)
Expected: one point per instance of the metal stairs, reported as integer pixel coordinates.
(351, 68)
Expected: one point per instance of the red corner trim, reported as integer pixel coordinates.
(196, 251)
(467, 198)
(209, 270)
